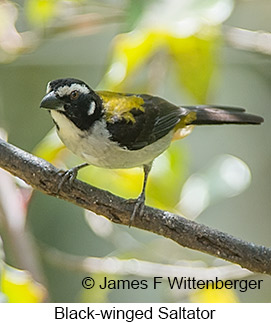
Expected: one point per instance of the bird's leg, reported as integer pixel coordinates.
(140, 201)
(69, 175)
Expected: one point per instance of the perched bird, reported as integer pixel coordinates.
(119, 130)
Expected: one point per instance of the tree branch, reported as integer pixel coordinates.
(44, 177)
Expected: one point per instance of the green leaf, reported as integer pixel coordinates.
(40, 12)
(195, 59)
(187, 31)
(19, 287)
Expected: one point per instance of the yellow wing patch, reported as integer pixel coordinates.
(184, 128)
(117, 106)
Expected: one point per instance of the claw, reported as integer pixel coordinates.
(140, 201)
(138, 208)
(69, 175)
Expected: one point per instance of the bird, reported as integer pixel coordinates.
(125, 130)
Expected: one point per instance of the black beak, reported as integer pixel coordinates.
(51, 102)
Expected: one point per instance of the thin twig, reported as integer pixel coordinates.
(44, 177)
(116, 266)
(248, 40)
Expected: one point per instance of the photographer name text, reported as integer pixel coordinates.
(184, 283)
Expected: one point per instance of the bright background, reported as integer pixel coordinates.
(184, 51)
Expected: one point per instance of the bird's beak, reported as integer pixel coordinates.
(51, 102)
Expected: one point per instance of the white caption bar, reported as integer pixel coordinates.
(130, 312)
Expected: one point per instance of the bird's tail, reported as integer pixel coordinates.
(208, 114)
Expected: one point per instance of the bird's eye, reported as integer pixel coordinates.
(74, 95)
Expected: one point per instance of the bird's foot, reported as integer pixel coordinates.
(67, 176)
(139, 204)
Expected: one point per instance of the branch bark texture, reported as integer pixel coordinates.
(44, 177)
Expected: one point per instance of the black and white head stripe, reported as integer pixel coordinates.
(67, 90)
(63, 87)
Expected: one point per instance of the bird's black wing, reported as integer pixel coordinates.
(157, 118)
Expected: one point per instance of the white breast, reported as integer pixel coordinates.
(95, 147)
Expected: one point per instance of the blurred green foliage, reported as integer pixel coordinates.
(40, 12)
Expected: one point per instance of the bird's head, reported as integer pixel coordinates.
(74, 99)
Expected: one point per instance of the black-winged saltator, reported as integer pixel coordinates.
(119, 130)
